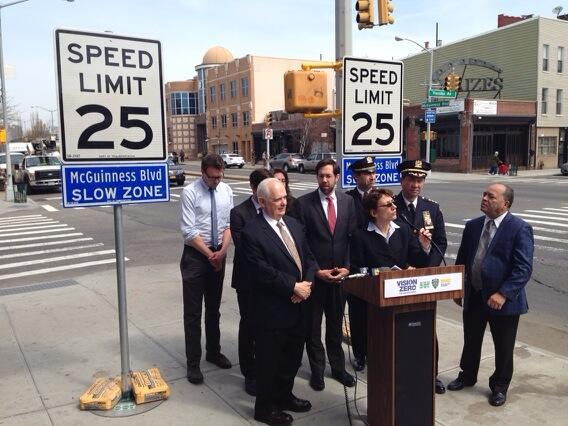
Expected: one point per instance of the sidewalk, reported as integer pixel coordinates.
(54, 340)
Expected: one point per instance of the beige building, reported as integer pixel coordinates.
(522, 61)
(181, 114)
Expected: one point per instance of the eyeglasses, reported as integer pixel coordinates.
(218, 177)
(388, 205)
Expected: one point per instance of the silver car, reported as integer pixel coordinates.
(564, 169)
(310, 163)
(286, 161)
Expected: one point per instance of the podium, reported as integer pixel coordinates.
(401, 334)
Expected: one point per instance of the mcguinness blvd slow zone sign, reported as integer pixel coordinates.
(110, 97)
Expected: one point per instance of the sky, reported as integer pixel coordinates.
(188, 28)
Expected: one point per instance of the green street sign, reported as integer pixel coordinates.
(434, 104)
(437, 93)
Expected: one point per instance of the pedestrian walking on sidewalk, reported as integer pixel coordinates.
(497, 251)
(205, 207)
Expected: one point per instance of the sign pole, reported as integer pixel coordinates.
(343, 47)
(122, 314)
(267, 154)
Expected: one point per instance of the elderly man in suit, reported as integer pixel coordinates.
(422, 213)
(330, 219)
(497, 251)
(281, 271)
(240, 215)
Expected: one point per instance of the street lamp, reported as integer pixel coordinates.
(431, 52)
(48, 110)
(9, 184)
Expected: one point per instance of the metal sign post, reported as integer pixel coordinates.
(268, 135)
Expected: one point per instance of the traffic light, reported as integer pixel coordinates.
(385, 10)
(424, 134)
(448, 82)
(305, 91)
(269, 119)
(365, 15)
(456, 82)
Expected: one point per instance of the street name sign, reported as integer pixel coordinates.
(108, 184)
(430, 116)
(372, 107)
(434, 104)
(386, 173)
(110, 97)
(438, 93)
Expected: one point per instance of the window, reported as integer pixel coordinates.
(245, 118)
(543, 103)
(222, 91)
(233, 88)
(214, 121)
(448, 145)
(223, 120)
(183, 103)
(559, 94)
(234, 119)
(244, 86)
(236, 147)
(545, 57)
(547, 145)
(560, 59)
(212, 94)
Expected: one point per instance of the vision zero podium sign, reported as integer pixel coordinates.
(110, 97)
(372, 107)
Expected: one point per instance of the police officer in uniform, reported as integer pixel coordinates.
(364, 174)
(423, 213)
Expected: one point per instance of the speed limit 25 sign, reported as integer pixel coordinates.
(110, 97)
(372, 107)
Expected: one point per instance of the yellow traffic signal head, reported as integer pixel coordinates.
(385, 10)
(365, 14)
(305, 91)
(448, 82)
(457, 82)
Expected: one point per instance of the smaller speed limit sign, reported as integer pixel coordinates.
(372, 107)
(110, 97)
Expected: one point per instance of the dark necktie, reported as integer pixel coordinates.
(411, 212)
(290, 245)
(214, 233)
(484, 242)
(331, 217)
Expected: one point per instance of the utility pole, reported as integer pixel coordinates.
(343, 47)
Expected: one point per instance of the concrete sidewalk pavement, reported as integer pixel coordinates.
(55, 338)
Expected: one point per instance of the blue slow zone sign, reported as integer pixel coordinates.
(386, 173)
(107, 184)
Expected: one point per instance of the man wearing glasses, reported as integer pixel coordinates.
(204, 222)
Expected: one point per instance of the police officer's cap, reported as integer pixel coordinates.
(365, 164)
(416, 168)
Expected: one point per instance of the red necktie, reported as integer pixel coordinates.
(331, 217)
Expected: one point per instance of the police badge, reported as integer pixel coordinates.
(427, 220)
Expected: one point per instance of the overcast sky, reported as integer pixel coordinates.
(187, 28)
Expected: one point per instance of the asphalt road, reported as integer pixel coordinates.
(50, 243)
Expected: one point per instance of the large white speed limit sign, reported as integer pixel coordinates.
(372, 107)
(110, 97)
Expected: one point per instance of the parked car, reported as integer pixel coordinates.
(286, 161)
(176, 172)
(40, 171)
(564, 169)
(233, 160)
(15, 158)
(310, 163)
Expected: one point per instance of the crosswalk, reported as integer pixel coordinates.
(34, 244)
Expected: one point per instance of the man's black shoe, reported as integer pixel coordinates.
(358, 364)
(344, 378)
(459, 383)
(219, 360)
(440, 388)
(194, 375)
(273, 417)
(250, 386)
(498, 399)
(296, 405)
(317, 383)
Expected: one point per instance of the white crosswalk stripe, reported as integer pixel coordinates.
(36, 245)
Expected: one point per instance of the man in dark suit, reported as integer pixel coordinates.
(364, 174)
(240, 215)
(281, 271)
(497, 251)
(422, 213)
(330, 219)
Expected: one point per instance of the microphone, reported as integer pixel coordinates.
(417, 230)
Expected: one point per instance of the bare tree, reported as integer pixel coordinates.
(38, 129)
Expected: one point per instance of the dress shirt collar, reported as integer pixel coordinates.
(205, 186)
(271, 221)
(361, 193)
(392, 227)
(497, 220)
(323, 197)
(414, 203)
